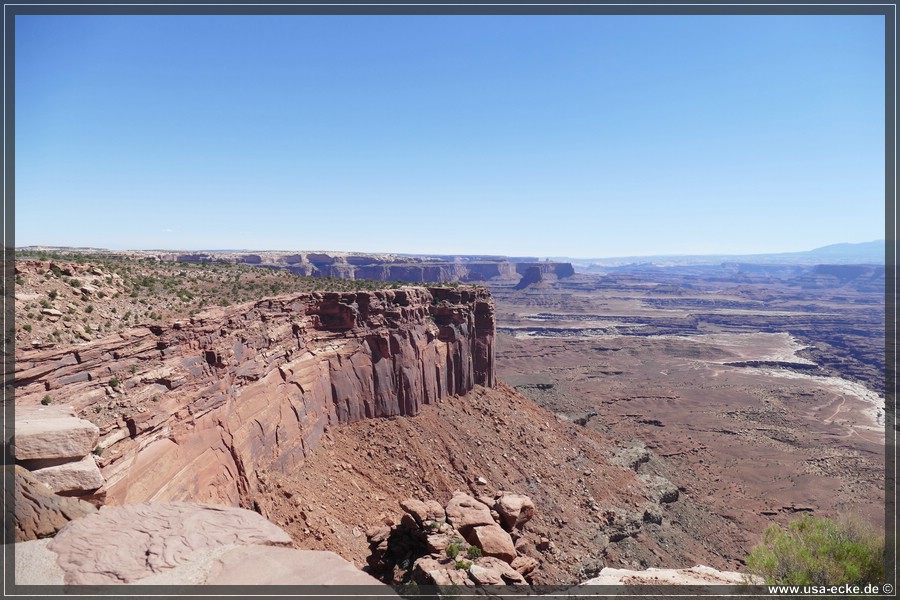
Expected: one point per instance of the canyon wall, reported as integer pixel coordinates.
(383, 267)
(192, 409)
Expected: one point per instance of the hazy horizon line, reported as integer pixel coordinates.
(39, 247)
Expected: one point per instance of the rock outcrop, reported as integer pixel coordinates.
(178, 544)
(384, 267)
(460, 544)
(40, 513)
(699, 575)
(56, 474)
(191, 410)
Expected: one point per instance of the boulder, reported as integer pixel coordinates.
(524, 565)
(265, 565)
(508, 574)
(633, 455)
(437, 543)
(660, 489)
(484, 575)
(429, 571)
(125, 544)
(465, 512)
(39, 512)
(429, 510)
(76, 476)
(52, 433)
(416, 509)
(434, 511)
(493, 541)
(182, 544)
(377, 535)
(515, 510)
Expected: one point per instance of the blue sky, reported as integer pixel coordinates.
(582, 136)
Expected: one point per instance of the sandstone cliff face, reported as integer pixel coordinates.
(191, 410)
(384, 267)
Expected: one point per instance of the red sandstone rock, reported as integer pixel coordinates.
(524, 565)
(485, 576)
(252, 387)
(128, 543)
(76, 476)
(465, 512)
(266, 565)
(493, 541)
(52, 433)
(507, 573)
(515, 510)
(39, 512)
(423, 511)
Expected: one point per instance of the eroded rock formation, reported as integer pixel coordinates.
(192, 410)
(177, 544)
(469, 542)
(385, 267)
(56, 474)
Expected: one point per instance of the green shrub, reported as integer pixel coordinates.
(474, 552)
(27, 326)
(114, 382)
(463, 564)
(89, 308)
(452, 550)
(819, 551)
(53, 294)
(75, 283)
(46, 400)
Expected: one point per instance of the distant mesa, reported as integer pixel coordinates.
(385, 267)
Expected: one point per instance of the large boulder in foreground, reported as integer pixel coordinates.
(177, 544)
(77, 476)
(128, 543)
(39, 512)
(52, 433)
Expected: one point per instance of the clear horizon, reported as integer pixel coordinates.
(587, 136)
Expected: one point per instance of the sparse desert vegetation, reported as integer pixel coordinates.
(64, 298)
(819, 551)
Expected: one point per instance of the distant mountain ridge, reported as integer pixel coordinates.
(843, 253)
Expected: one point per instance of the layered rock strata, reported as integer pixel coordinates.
(191, 410)
(40, 513)
(56, 474)
(384, 267)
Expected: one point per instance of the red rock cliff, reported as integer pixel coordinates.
(198, 406)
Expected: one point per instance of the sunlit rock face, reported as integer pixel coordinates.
(192, 410)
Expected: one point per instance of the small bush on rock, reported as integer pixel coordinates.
(452, 550)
